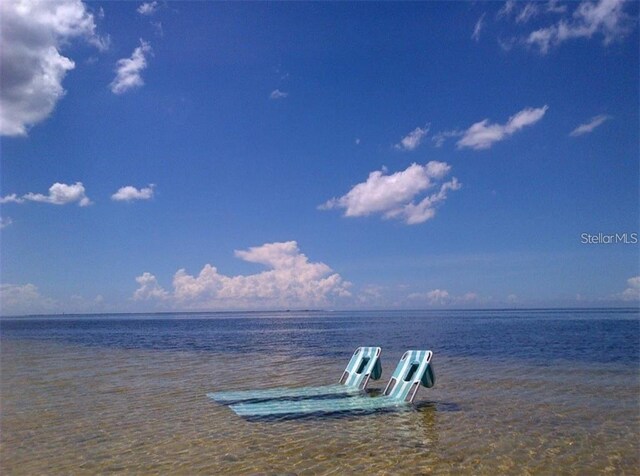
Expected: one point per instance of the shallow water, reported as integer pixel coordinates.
(527, 392)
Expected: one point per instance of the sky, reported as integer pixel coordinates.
(183, 156)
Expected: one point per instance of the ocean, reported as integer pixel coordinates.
(552, 391)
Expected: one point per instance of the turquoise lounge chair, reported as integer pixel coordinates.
(413, 369)
(364, 364)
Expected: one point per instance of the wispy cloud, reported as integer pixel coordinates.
(529, 11)
(59, 194)
(553, 6)
(588, 127)
(399, 195)
(440, 138)
(290, 280)
(482, 135)
(148, 8)
(412, 140)
(277, 94)
(506, 9)
(130, 193)
(5, 222)
(477, 30)
(604, 17)
(32, 34)
(129, 70)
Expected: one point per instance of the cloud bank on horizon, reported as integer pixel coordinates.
(291, 280)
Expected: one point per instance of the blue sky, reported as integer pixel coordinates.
(200, 156)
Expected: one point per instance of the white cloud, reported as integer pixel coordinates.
(128, 70)
(5, 222)
(589, 126)
(438, 297)
(24, 299)
(394, 195)
(21, 299)
(440, 138)
(482, 135)
(277, 94)
(632, 293)
(59, 194)
(32, 35)
(442, 297)
(12, 198)
(506, 9)
(412, 140)
(148, 8)
(529, 11)
(477, 30)
(554, 7)
(603, 17)
(62, 194)
(149, 288)
(290, 281)
(130, 193)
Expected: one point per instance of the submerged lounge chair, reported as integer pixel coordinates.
(364, 364)
(413, 369)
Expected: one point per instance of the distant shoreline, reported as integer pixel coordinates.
(311, 311)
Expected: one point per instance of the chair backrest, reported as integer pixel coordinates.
(413, 369)
(364, 364)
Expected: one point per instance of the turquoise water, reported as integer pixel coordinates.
(517, 392)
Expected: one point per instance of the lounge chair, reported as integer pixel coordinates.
(413, 369)
(364, 364)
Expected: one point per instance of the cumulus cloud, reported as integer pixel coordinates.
(588, 127)
(398, 195)
(149, 288)
(632, 293)
(148, 8)
(277, 94)
(291, 280)
(477, 30)
(59, 194)
(129, 70)
(33, 68)
(482, 135)
(412, 140)
(24, 299)
(130, 193)
(605, 18)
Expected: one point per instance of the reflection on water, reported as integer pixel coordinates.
(73, 407)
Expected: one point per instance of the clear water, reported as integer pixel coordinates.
(517, 392)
